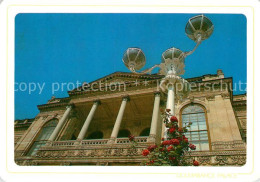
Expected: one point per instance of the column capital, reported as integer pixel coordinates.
(157, 93)
(125, 97)
(72, 105)
(97, 101)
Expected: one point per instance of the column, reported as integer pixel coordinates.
(170, 99)
(119, 119)
(154, 122)
(84, 128)
(61, 123)
(170, 104)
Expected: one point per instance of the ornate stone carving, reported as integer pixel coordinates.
(225, 95)
(53, 100)
(204, 160)
(221, 160)
(228, 145)
(123, 151)
(210, 97)
(30, 163)
(238, 160)
(191, 98)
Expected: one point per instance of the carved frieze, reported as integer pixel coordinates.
(228, 145)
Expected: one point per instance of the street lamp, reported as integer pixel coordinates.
(198, 28)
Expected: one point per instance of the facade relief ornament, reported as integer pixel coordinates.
(191, 98)
(210, 97)
(221, 160)
(213, 158)
(228, 145)
(225, 95)
(53, 100)
(205, 160)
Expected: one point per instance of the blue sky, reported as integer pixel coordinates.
(84, 47)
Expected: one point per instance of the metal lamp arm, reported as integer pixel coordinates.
(196, 46)
(149, 70)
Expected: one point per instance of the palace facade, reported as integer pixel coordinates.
(92, 125)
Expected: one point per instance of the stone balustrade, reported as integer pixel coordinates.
(126, 140)
(63, 143)
(97, 141)
(94, 142)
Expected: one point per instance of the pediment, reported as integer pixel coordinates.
(122, 77)
(118, 78)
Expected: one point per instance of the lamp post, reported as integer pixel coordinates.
(198, 28)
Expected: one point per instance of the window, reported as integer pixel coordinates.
(95, 135)
(43, 137)
(123, 133)
(198, 132)
(145, 132)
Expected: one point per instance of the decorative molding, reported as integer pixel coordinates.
(232, 145)
(210, 97)
(157, 93)
(191, 98)
(219, 160)
(187, 102)
(225, 95)
(124, 152)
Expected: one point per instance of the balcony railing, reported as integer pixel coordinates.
(63, 143)
(126, 140)
(96, 142)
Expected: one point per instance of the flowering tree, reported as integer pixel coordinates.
(172, 149)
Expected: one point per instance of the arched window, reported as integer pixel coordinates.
(123, 133)
(43, 136)
(95, 135)
(198, 132)
(145, 132)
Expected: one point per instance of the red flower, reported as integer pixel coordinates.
(166, 142)
(175, 141)
(192, 147)
(168, 110)
(145, 152)
(172, 158)
(186, 140)
(162, 139)
(174, 119)
(152, 147)
(180, 130)
(152, 161)
(162, 149)
(171, 130)
(196, 163)
(179, 138)
(131, 137)
(170, 148)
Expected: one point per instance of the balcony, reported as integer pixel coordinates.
(121, 152)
